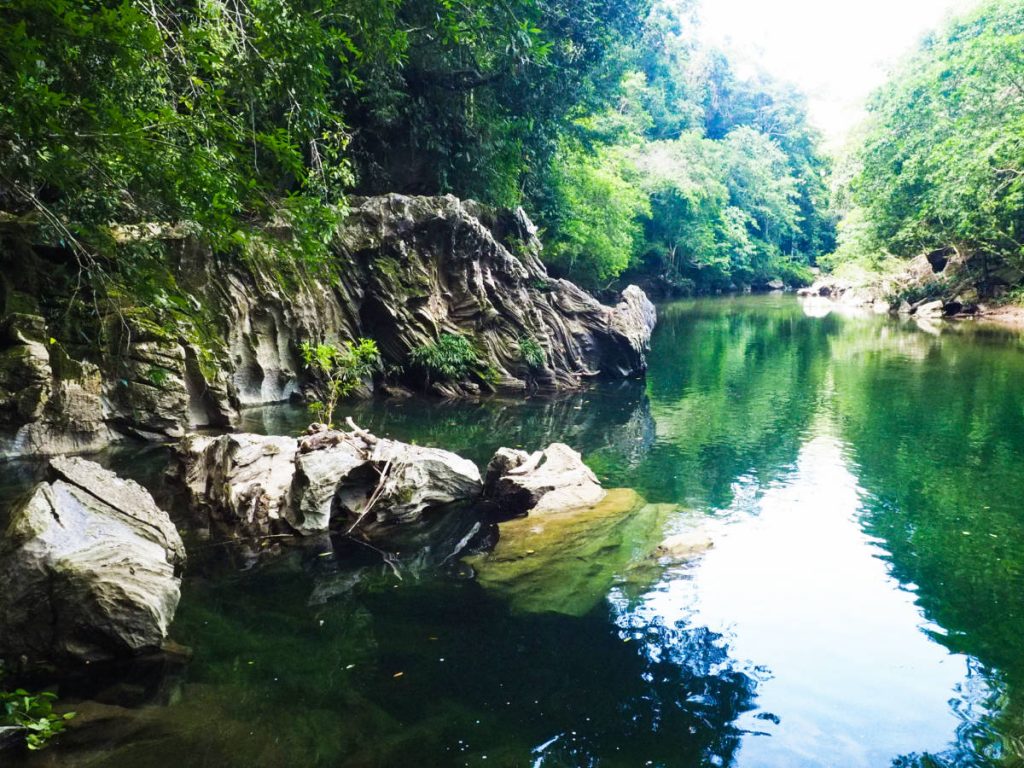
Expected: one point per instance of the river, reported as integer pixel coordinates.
(863, 604)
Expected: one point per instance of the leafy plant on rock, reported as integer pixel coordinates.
(450, 358)
(339, 370)
(532, 352)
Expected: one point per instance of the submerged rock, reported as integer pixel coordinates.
(89, 567)
(567, 561)
(685, 546)
(549, 480)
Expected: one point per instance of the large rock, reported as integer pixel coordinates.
(239, 484)
(417, 479)
(89, 568)
(550, 480)
(252, 485)
(405, 271)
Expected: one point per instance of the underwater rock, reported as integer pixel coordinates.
(549, 480)
(89, 567)
(684, 546)
(567, 561)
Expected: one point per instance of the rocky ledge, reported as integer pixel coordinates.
(944, 283)
(404, 272)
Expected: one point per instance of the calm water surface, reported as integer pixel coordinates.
(863, 604)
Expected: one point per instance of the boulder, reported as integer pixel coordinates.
(553, 479)
(251, 485)
(417, 479)
(930, 309)
(89, 565)
(239, 484)
(322, 477)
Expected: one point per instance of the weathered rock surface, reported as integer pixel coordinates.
(238, 484)
(48, 403)
(250, 485)
(89, 568)
(406, 270)
(554, 479)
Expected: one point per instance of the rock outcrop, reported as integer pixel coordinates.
(555, 479)
(250, 485)
(238, 484)
(89, 568)
(405, 271)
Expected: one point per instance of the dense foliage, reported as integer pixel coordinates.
(695, 175)
(941, 160)
(221, 116)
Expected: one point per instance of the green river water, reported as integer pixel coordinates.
(863, 604)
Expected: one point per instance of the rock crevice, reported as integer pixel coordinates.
(404, 271)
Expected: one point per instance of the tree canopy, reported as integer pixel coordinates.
(940, 162)
(634, 146)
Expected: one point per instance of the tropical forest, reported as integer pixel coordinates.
(511, 383)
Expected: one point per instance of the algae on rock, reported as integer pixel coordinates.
(567, 562)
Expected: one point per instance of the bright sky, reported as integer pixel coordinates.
(836, 51)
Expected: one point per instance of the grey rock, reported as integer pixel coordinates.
(419, 479)
(250, 485)
(554, 479)
(321, 476)
(408, 269)
(930, 309)
(238, 484)
(89, 565)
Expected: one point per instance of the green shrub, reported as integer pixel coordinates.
(532, 352)
(339, 371)
(795, 274)
(34, 713)
(450, 358)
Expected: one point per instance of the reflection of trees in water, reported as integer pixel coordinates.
(734, 387)
(612, 417)
(939, 443)
(278, 682)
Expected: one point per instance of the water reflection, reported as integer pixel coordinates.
(863, 604)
